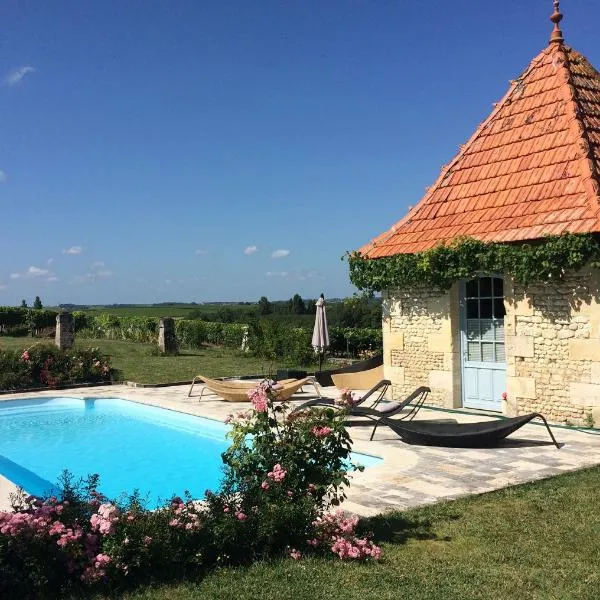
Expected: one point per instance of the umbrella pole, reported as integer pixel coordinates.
(320, 360)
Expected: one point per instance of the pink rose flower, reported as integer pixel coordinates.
(259, 399)
(321, 431)
(278, 473)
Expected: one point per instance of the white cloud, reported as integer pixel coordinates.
(31, 272)
(16, 76)
(52, 279)
(3, 286)
(73, 250)
(301, 275)
(2, 177)
(49, 261)
(280, 254)
(97, 271)
(251, 250)
(201, 252)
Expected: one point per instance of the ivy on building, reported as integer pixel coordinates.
(544, 260)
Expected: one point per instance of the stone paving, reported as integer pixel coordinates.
(409, 475)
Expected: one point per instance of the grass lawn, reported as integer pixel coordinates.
(135, 362)
(538, 540)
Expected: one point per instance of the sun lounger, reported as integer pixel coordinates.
(363, 380)
(233, 384)
(238, 391)
(482, 434)
(378, 409)
(324, 378)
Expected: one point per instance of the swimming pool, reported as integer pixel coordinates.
(131, 446)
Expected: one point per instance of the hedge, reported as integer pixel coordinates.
(32, 319)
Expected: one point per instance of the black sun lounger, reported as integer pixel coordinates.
(377, 411)
(483, 434)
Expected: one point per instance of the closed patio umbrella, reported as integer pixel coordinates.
(320, 338)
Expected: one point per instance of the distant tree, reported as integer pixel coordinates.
(361, 311)
(264, 306)
(37, 303)
(225, 315)
(23, 303)
(297, 305)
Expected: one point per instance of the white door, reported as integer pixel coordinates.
(483, 356)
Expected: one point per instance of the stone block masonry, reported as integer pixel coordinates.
(167, 341)
(552, 346)
(421, 343)
(65, 330)
(555, 349)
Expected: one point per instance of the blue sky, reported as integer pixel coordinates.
(197, 151)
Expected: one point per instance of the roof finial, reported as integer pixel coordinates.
(556, 18)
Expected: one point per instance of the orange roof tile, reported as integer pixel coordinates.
(531, 169)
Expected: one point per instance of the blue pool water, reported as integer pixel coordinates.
(131, 446)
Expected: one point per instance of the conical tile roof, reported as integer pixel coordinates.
(530, 170)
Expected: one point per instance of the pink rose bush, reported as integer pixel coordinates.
(44, 365)
(336, 531)
(284, 470)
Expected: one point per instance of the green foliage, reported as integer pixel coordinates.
(38, 319)
(264, 306)
(37, 303)
(11, 317)
(23, 303)
(32, 319)
(297, 305)
(465, 258)
(354, 341)
(112, 327)
(361, 310)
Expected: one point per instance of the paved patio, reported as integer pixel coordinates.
(409, 475)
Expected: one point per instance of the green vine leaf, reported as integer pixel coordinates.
(464, 258)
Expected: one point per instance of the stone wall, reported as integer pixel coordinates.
(553, 348)
(422, 343)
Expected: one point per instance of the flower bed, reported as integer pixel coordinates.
(284, 471)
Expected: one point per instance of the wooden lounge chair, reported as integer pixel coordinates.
(378, 409)
(362, 380)
(459, 435)
(324, 378)
(231, 392)
(237, 384)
